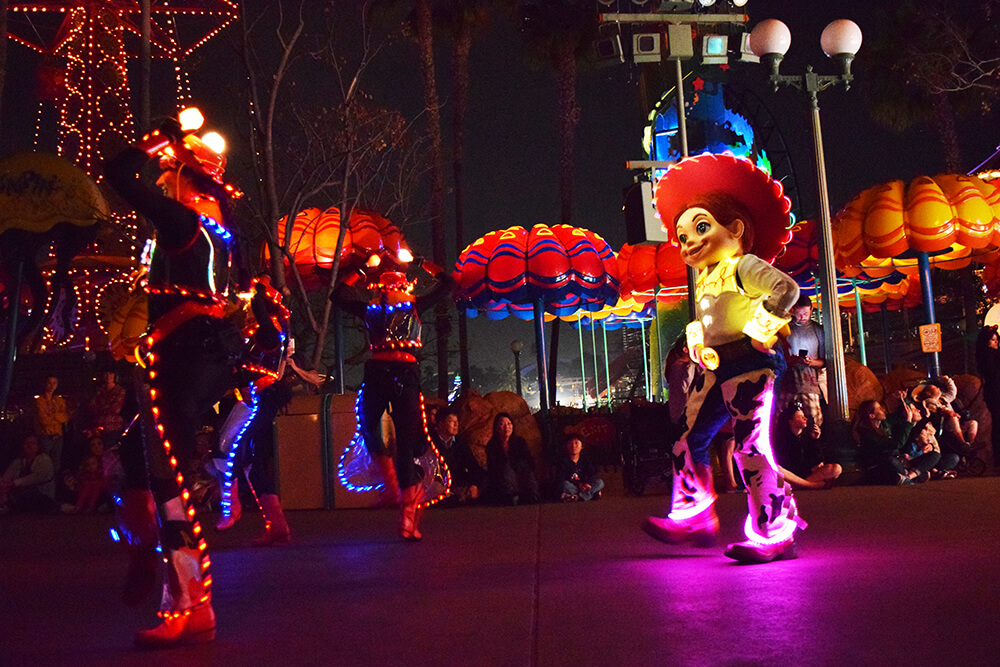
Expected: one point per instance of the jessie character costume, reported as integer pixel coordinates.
(392, 381)
(719, 209)
(191, 355)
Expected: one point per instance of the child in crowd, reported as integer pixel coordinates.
(576, 476)
(91, 485)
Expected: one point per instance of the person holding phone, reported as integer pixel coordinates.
(805, 379)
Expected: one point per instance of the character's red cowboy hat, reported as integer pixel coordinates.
(762, 196)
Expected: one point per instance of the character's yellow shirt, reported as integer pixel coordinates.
(728, 296)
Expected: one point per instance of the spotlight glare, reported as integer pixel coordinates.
(190, 119)
(215, 141)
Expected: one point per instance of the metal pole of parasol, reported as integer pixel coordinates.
(645, 362)
(10, 354)
(543, 373)
(924, 262)
(607, 367)
(593, 347)
(861, 324)
(583, 362)
(885, 336)
(658, 393)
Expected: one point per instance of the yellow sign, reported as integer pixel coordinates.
(930, 337)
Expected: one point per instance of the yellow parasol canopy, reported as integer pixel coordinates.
(952, 217)
(39, 190)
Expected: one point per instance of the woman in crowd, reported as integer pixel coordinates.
(510, 468)
(798, 449)
(880, 437)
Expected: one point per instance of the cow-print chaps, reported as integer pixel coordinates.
(747, 399)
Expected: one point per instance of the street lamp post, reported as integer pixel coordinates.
(516, 346)
(840, 40)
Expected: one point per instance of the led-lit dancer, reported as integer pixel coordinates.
(248, 434)
(392, 375)
(719, 209)
(191, 351)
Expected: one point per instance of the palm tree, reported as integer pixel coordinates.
(558, 34)
(459, 20)
(423, 22)
(930, 62)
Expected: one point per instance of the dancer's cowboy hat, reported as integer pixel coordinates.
(762, 197)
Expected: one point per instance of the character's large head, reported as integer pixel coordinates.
(386, 272)
(194, 165)
(723, 206)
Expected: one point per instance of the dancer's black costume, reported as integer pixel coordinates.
(192, 354)
(248, 433)
(392, 381)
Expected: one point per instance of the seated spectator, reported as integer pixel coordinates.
(510, 469)
(91, 486)
(922, 453)
(28, 484)
(952, 436)
(575, 476)
(880, 437)
(798, 450)
(467, 476)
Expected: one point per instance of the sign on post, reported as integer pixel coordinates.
(930, 337)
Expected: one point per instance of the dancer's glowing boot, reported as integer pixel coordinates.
(750, 552)
(140, 532)
(701, 530)
(276, 529)
(235, 507)
(390, 487)
(409, 513)
(192, 626)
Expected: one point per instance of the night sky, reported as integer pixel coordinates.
(512, 147)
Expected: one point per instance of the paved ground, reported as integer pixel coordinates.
(886, 576)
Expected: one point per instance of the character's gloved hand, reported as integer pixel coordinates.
(167, 133)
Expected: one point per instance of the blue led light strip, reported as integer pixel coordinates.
(227, 485)
(355, 441)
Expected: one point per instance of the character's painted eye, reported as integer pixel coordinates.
(703, 227)
(683, 238)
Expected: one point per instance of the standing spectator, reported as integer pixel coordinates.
(576, 476)
(105, 407)
(510, 469)
(51, 416)
(467, 476)
(29, 481)
(988, 367)
(805, 378)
